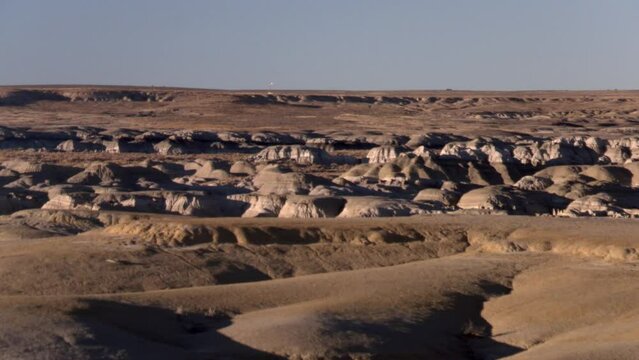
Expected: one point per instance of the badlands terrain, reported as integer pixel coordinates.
(168, 223)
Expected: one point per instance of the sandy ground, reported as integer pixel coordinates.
(546, 113)
(467, 287)
(124, 285)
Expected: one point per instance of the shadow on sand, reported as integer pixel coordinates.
(457, 331)
(128, 331)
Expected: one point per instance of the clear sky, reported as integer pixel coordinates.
(323, 44)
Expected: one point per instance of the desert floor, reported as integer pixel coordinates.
(468, 248)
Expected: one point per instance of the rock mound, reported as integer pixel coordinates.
(371, 206)
(305, 207)
(298, 153)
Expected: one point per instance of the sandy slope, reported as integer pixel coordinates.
(572, 311)
(403, 310)
(513, 289)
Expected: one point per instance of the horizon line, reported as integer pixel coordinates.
(90, 85)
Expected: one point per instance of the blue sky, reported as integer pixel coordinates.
(327, 44)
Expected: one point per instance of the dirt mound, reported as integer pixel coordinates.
(298, 153)
(370, 206)
(509, 200)
(304, 207)
(384, 154)
(279, 181)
